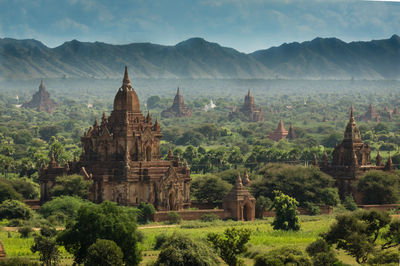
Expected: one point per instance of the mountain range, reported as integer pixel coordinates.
(321, 58)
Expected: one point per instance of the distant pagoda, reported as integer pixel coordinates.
(370, 115)
(41, 101)
(178, 108)
(279, 133)
(291, 134)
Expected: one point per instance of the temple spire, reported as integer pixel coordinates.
(178, 91)
(126, 81)
(351, 113)
(281, 127)
(238, 182)
(42, 87)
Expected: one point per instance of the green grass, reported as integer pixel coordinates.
(263, 237)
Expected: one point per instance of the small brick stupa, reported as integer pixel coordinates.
(41, 101)
(239, 202)
(279, 133)
(178, 108)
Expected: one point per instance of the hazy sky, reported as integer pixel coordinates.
(246, 25)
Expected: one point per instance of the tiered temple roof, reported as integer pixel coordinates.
(41, 101)
(178, 108)
(279, 133)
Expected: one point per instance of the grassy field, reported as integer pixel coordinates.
(263, 237)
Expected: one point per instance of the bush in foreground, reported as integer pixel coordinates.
(104, 253)
(14, 209)
(106, 220)
(286, 214)
(180, 250)
(230, 244)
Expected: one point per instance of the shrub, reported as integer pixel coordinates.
(104, 252)
(65, 206)
(25, 231)
(48, 231)
(14, 209)
(18, 262)
(27, 189)
(379, 187)
(283, 256)
(311, 208)
(47, 249)
(286, 214)
(15, 223)
(71, 185)
(384, 257)
(262, 204)
(106, 220)
(321, 253)
(230, 244)
(209, 217)
(146, 213)
(8, 192)
(349, 203)
(173, 218)
(160, 240)
(180, 250)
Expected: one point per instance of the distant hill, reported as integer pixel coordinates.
(326, 58)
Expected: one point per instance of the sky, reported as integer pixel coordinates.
(246, 25)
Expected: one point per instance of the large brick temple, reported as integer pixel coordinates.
(350, 160)
(249, 109)
(41, 101)
(178, 108)
(121, 154)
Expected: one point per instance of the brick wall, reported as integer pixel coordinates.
(383, 207)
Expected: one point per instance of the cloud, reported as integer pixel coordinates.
(69, 24)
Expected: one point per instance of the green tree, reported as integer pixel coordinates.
(46, 132)
(107, 221)
(47, 249)
(71, 185)
(286, 214)
(104, 253)
(153, 101)
(7, 191)
(146, 213)
(379, 187)
(66, 205)
(14, 209)
(305, 184)
(209, 188)
(262, 205)
(230, 244)
(180, 250)
(357, 232)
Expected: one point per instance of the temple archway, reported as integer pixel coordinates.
(247, 212)
(171, 201)
(148, 153)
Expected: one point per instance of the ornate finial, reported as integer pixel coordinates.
(156, 125)
(126, 81)
(170, 155)
(248, 92)
(315, 160)
(148, 118)
(186, 166)
(389, 164)
(96, 124)
(238, 182)
(246, 180)
(325, 159)
(178, 92)
(379, 159)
